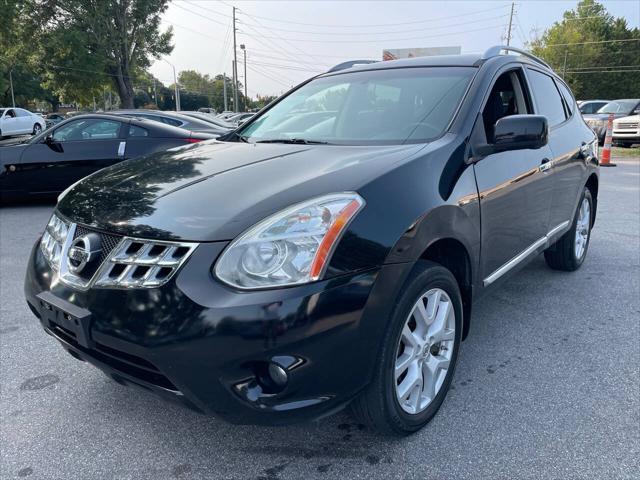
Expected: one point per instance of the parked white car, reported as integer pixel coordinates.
(626, 130)
(18, 121)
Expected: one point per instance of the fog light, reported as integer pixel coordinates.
(278, 374)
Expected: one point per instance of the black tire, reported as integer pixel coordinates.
(377, 406)
(562, 255)
(36, 129)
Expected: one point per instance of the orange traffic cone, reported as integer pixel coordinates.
(605, 160)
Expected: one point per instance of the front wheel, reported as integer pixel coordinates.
(37, 128)
(570, 250)
(418, 356)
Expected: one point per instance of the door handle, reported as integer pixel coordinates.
(545, 165)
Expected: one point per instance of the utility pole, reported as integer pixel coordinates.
(510, 23)
(224, 90)
(564, 67)
(155, 92)
(175, 84)
(234, 88)
(13, 100)
(244, 51)
(235, 65)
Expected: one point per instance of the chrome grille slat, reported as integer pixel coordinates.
(114, 268)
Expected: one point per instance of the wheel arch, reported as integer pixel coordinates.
(449, 236)
(453, 255)
(593, 185)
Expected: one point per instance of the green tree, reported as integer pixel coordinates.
(89, 43)
(585, 48)
(194, 82)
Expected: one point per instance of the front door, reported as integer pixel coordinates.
(10, 123)
(73, 151)
(515, 187)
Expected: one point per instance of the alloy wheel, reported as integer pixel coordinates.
(583, 223)
(424, 351)
(37, 129)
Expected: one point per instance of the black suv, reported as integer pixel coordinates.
(329, 251)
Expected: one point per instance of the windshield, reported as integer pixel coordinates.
(619, 106)
(380, 107)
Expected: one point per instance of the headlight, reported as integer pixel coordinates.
(290, 247)
(53, 239)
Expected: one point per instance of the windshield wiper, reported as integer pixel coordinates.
(228, 136)
(301, 141)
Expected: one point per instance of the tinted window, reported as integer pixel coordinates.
(138, 131)
(170, 121)
(547, 97)
(367, 108)
(87, 129)
(568, 98)
(619, 106)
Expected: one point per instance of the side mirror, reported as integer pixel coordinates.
(517, 132)
(48, 139)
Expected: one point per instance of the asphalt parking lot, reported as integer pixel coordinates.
(547, 386)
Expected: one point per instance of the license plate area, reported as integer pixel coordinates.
(56, 313)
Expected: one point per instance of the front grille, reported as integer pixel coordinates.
(122, 362)
(107, 242)
(630, 126)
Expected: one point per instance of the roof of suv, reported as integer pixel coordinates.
(466, 60)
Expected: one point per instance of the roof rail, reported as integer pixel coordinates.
(495, 51)
(349, 64)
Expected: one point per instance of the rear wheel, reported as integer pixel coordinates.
(418, 357)
(570, 250)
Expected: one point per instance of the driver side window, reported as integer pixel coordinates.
(507, 97)
(87, 129)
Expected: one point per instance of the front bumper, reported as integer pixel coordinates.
(201, 343)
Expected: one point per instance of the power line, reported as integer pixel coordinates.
(394, 39)
(429, 20)
(199, 14)
(279, 82)
(601, 71)
(404, 31)
(592, 42)
(305, 54)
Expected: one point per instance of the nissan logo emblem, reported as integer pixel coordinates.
(83, 251)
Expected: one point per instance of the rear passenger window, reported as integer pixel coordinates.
(569, 102)
(547, 97)
(138, 131)
(171, 121)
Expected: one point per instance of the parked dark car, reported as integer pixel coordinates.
(176, 120)
(207, 117)
(619, 108)
(46, 164)
(52, 119)
(279, 275)
(591, 106)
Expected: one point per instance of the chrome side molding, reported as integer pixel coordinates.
(524, 254)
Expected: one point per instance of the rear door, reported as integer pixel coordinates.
(77, 149)
(25, 120)
(515, 187)
(143, 140)
(567, 134)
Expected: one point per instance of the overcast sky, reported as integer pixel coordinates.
(287, 42)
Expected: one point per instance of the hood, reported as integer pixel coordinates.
(602, 116)
(213, 191)
(629, 119)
